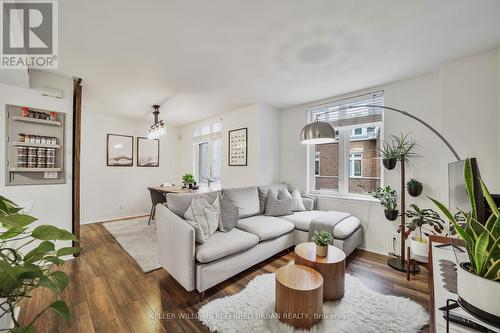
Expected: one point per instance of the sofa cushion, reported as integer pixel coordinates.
(296, 204)
(264, 190)
(228, 215)
(265, 227)
(302, 220)
(278, 204)
(205, 214)
(179, 203)
(245, 198)
(223, 244)
(346, 227)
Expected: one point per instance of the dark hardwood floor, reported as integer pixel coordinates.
(109, 293)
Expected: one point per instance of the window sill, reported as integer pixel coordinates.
(354, 197)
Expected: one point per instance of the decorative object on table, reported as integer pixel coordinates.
(414, 187)
(478, 281)
(148, 152)
(238, 147)
(388, 199)
(299, 296)
(22, 272)
(359, 311)
(120, 151)
(331, 268)
(188, 180)
(424, 222)
(158, 128)
(322, 239)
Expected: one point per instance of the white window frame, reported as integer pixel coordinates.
(211, 138)
(343, 168)
(352, 164)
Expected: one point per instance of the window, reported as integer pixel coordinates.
(207, 153)
(351, 164)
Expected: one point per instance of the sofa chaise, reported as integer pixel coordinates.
(255, 238)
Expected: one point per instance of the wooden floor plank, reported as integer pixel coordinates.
(108, 292)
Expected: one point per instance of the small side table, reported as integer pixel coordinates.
(331, 267)
(299, 296)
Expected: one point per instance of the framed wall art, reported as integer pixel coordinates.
(148, 152)
(120, 150)
(238, 147)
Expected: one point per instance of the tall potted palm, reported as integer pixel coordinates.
(478, 280)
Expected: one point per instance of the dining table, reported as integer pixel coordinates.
(181, 190)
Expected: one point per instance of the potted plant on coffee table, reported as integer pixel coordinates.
(414, 187)
(389, 199)
(478, 281)
(423, 222)
(322, 239)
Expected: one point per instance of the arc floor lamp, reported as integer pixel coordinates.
(320, 132)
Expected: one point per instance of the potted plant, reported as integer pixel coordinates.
(404, 146)
(389, 156)
(388, 198)
(478, 281)
(188, 180)
(322, 239)
(23, 271)
(423, 222)
(414, 187)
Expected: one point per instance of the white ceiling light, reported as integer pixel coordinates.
(158, 128)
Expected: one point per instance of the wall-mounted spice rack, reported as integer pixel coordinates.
(35, 146)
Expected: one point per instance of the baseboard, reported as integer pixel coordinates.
(117, 218)
(375, 250)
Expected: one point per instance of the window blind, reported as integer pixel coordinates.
(338, 114)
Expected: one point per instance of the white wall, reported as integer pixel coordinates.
(263, 145)
(461, 99)
(51, 203)
(112, 192)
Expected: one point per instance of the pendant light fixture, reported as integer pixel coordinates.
(317, 132)
(158, 128)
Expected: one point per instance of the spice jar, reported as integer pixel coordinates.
(21, 137)
(25, 112)
(53, 116)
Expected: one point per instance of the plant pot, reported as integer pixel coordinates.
(478, 295)
(415, 189)
(190, 185)
(389, 163)
(321, 251)
(419, 248)
(391, 215)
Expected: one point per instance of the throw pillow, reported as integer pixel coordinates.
(206, 215)
(296, 204)
(228, 215)
(278, 204)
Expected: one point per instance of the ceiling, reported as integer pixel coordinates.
(200, 58)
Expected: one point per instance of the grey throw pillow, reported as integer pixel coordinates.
(205, 215)
(296, 204)
(278, 204)
(228, 215)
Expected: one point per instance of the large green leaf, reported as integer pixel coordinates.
(463, 234)
(55, 260)
(39, 252)
(18, 221)
(62, 310)
(493, 272)
(64, 251)
(480, 251)
(469, 185)
(49, 232)
(11, 233)
(29, 329)
(491, 255)
(60, 280)
(489, 199)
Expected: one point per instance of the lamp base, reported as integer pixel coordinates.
(400, 265)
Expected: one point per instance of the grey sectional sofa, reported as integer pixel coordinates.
(256, 237)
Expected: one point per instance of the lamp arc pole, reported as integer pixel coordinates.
(432, 129)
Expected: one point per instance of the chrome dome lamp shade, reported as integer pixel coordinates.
(317, 132)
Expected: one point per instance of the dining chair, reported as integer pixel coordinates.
(157, 197)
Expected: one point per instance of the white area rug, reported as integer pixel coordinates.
(360, 310)
(138, 240)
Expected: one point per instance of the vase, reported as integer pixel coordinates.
(321, 251)
(389, 163)
(478, 295)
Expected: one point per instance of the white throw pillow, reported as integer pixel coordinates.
(206, 216)
(296, 204)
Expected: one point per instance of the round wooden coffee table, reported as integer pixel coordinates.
(331, 267)
(299, 296)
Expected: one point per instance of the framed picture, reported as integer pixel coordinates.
(238, 147)
(120, 151)
(148, 152)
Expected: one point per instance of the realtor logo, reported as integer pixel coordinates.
(29, 34)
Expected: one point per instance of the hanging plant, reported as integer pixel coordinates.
(414, 187)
